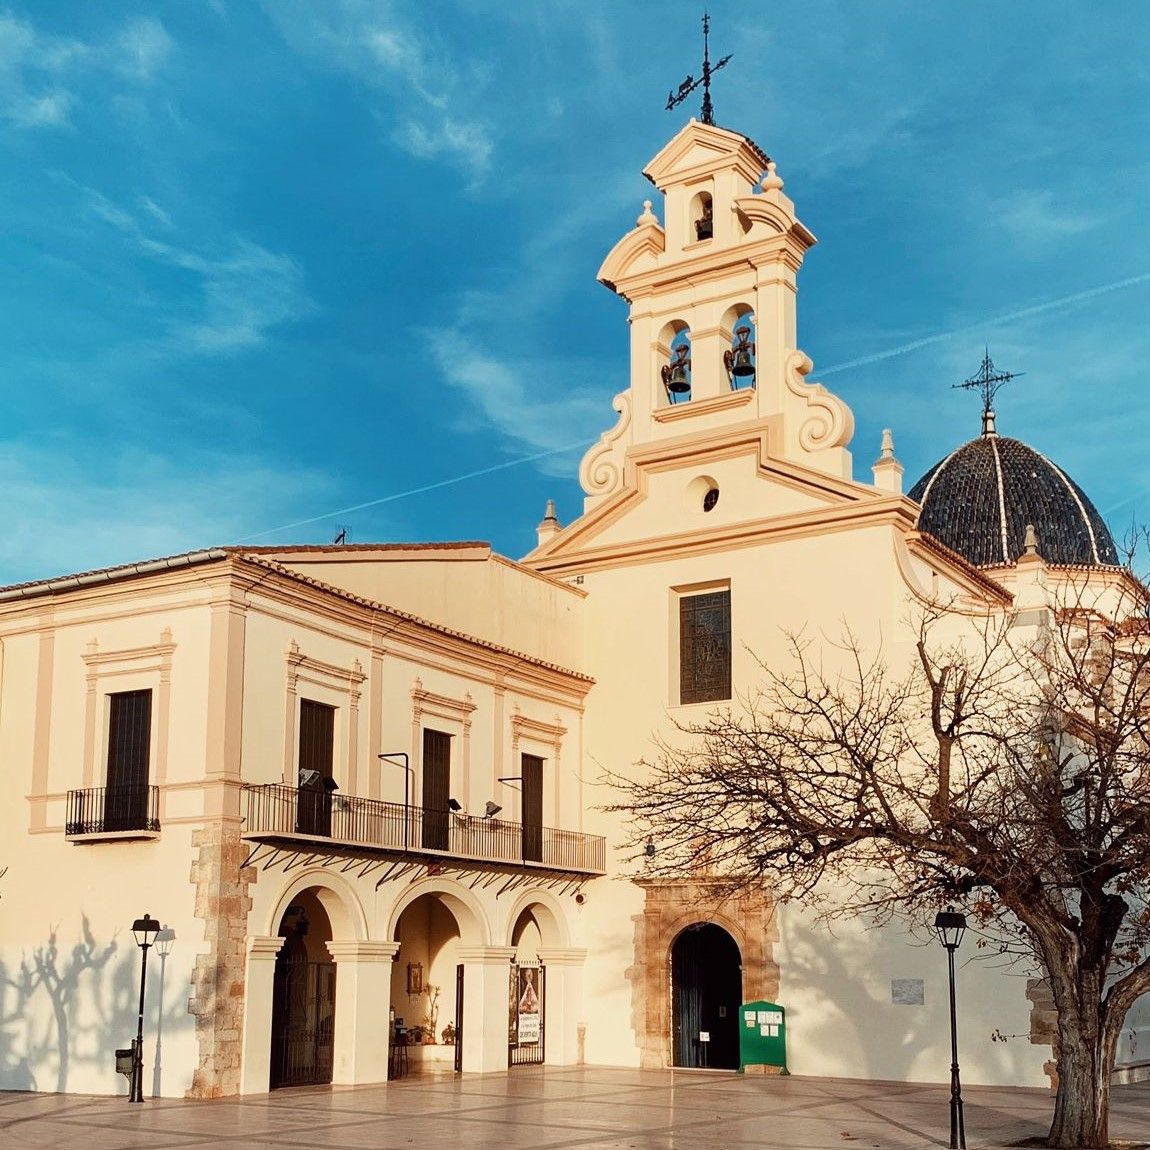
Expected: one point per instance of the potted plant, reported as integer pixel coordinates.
(449, 1034)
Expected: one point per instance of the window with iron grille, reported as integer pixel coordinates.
(705, 647)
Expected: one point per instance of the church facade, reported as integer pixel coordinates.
(360, 786)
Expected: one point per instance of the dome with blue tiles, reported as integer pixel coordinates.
(979, 499)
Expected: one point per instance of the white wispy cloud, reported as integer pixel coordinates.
(495, 346)
(33, 91)
(144, 46)
(41, 74)
(510, 395)
(447, 137)
(429, 98)
(1038, 217)
(245, 291)
(77, 512)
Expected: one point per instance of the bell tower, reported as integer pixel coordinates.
(712, 293)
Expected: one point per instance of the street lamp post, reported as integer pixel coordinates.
(950, 926)
(390, 757)
(145, 929)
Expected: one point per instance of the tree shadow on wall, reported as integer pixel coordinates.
(56, 974)
(889, 1041)
(67, 1004)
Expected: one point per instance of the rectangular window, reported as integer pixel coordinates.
(129, 757)
(705, 647)
(532, 771)
(436, 789)
(316, 759)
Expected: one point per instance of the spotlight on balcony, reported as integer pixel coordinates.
(454, 805)
(492, 809)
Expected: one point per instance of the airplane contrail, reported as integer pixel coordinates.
(415, 490)
(862, 361)
(978, 328)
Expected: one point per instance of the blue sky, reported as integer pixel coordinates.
(268, 260)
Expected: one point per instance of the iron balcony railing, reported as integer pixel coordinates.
(275, 810)
(102, 810)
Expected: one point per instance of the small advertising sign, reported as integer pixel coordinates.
(527, 1007)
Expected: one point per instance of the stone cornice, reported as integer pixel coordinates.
(713, 265)
(562, 956)
(486, 955)
(727, 402)
(892, 510)
(361, 950)
(696, 449)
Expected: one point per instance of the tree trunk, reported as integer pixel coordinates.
(1082, 1106)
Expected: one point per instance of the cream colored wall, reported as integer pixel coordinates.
(1134, 1045)
(837, 987)
(471, 591)
(68, 962)
(673, 501)
(69, 966)
(479, 699)
(842, 1020)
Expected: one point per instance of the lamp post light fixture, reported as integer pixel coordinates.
(950, 926)
(145, 929)
(391, 757)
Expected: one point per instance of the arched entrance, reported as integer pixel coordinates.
(303, 996)
(706, 991)
(527, 1001)
(426, 983)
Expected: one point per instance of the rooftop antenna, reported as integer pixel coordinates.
(341, 538)
(988, 380)
(674, 99)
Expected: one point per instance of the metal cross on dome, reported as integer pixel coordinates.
(988, 380)
(674, 99)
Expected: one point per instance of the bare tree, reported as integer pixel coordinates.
(1002, 763)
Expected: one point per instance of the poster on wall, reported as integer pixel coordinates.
(527, 1007)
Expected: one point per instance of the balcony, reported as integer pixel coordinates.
(276, 812)
(97, 814)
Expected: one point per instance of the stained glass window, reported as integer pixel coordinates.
(705, 647)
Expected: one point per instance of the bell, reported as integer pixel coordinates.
(704, 228)
(675, 374)
(742, 366)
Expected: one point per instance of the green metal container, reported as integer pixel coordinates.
(762, 1035)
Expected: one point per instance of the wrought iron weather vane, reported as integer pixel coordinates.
(674, 99)
(988, 380)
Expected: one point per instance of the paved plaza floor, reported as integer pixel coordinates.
(557, 1108)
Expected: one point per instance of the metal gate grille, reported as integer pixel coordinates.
(459, 1018)
(303, 1022)
(527, 1013)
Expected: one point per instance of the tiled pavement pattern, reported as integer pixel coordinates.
(557, 1108)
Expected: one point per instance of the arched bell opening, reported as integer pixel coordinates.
(739, 359)
(424, 979)
(702, 212)
(706, 992)
(303, 995)
(675, 350)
